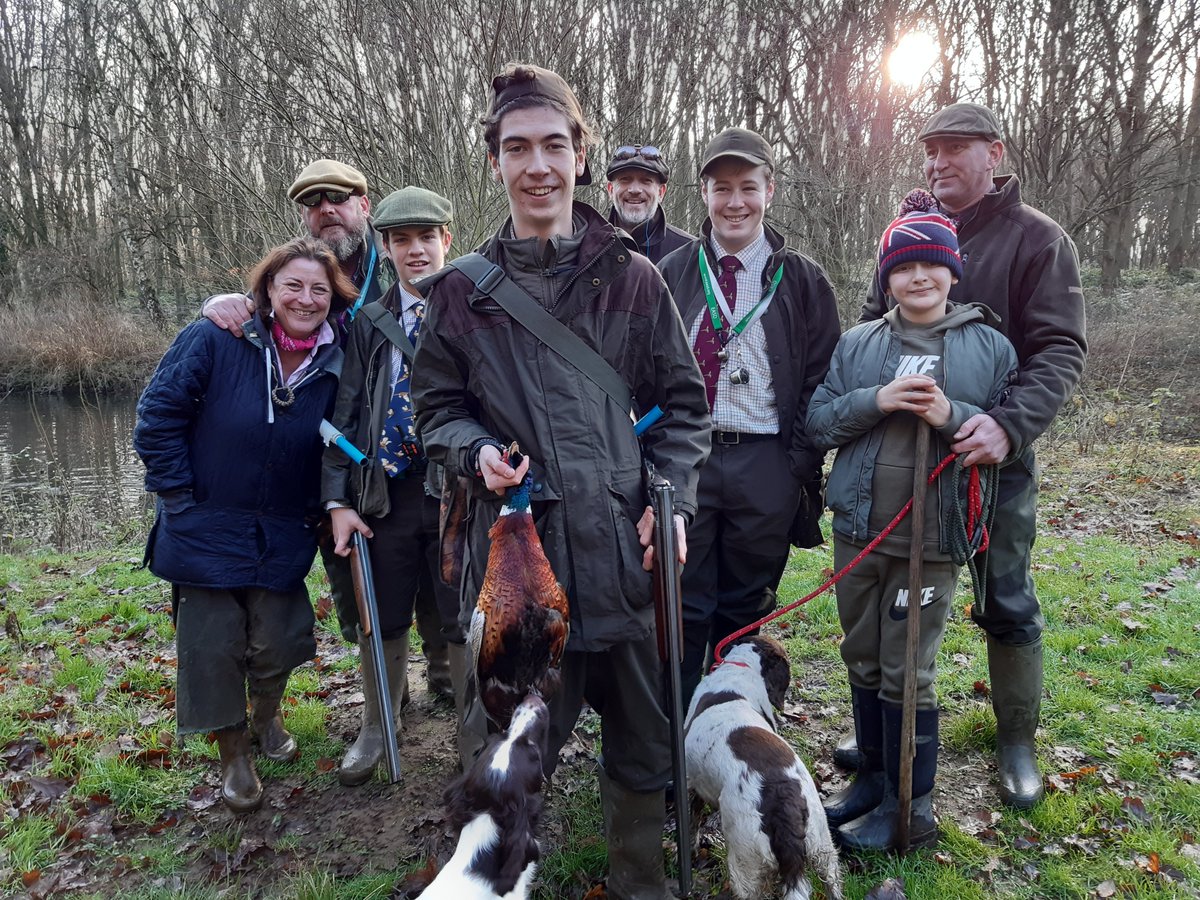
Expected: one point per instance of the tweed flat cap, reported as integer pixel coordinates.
(962, 120)
(327, 175)
(740, 143)
(412, 206)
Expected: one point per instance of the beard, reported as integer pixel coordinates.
(347, 245)
(632, 217)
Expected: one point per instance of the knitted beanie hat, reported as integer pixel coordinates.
(919, 234)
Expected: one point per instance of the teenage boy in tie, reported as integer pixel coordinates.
(763, 323)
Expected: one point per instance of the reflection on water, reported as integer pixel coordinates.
(69, 478)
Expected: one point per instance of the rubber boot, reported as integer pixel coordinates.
(472, 724)
(633, 827)
(866, 791)
(1016, 682)
(437, 670)
(267, 721)
(433, 643)
(846, 754)
(877, 830)
(367, 750)
(240, 788)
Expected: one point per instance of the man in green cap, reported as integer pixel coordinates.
(388, 501)
(331, 198)
(762, 323)
(1021, 263)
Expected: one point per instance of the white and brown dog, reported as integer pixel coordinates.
(771, 813)
(496, 806)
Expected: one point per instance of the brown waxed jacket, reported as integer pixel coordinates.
(480, 374)
(1021, 264)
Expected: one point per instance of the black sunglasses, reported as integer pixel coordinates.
(647, 151)
(337, 198)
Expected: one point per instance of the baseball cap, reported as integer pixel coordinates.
(544, 83)
(741, 143)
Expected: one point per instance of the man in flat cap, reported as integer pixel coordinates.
(483, 380)
(388, 500)
(637, 182)
(332, 199)
(1021, 263)
(334, 208)
(763, 323)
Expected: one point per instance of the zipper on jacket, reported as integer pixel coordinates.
(581, 270)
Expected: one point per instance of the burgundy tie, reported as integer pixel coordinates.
(708, 341)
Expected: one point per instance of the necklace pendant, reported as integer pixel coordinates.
(283, 396)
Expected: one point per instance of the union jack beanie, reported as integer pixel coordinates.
(919, 234)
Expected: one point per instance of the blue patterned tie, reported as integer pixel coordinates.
(398, 445)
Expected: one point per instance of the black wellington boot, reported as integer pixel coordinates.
(877, 830)
(866, 791)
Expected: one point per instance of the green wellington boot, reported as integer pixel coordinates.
(1016, 683)
(367, 750)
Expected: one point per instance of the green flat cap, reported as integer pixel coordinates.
(412, 206)
(740, 143)
(327, 175)
(962, 120)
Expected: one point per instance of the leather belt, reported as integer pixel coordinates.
(739, 437)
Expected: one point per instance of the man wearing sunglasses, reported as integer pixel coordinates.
(331, 198)
(637, 183)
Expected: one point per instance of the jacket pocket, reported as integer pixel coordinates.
(371, 489)
(627, 504)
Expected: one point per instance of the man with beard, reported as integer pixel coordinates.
(334, 208)
(637, 183)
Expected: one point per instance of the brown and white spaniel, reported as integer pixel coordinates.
(496, 806)
(771, 813)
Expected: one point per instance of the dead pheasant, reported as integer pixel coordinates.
(521, 620)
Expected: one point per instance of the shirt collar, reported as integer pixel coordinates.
(408, 300)
(747, 253)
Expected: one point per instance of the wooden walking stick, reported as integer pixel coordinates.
(915, 572)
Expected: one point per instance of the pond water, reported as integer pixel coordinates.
(69, 478)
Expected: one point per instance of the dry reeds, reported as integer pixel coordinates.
(55, 345)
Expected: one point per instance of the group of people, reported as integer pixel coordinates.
(973, 325)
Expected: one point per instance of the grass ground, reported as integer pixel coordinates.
(102, 800)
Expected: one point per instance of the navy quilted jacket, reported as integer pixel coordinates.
(238, 477)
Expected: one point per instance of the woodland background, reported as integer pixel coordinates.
(149, 145)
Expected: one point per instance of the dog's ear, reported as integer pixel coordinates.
(776, 670)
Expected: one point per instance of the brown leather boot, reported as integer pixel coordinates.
(267, 720)
(240, 788)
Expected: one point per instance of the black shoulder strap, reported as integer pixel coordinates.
(385, 320)
(490, 279)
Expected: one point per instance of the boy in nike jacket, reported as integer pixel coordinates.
(925, 359)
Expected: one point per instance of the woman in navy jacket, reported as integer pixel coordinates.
(228, 430)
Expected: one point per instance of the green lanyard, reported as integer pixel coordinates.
(714, 310)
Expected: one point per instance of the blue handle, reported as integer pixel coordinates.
(642, 425)
(331, 435)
